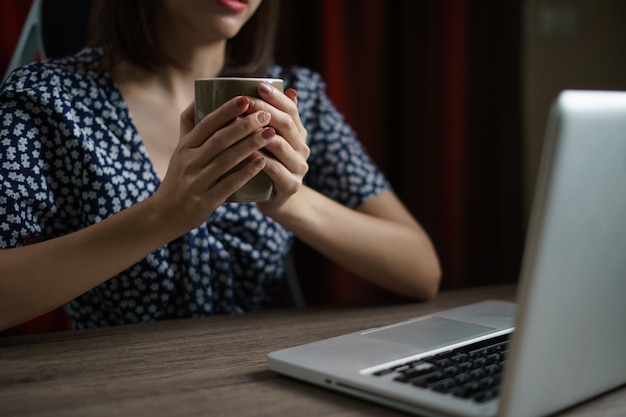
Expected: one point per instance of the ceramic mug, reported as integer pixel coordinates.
(211, 93)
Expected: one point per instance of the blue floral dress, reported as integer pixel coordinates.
(70, 156)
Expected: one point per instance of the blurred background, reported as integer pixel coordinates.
(450, 97)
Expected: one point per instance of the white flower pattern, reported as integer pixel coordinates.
(70, 157)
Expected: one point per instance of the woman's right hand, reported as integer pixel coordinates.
(196, 182)
(194, 186)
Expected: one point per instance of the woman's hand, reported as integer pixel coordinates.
(287, 154)
(196, 182)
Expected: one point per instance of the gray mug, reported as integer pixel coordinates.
(210, 93)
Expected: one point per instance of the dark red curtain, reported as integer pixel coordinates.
(12, 16)
(432, 88)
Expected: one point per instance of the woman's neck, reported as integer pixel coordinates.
(175, 84)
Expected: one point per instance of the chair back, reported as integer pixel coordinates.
(30, 44)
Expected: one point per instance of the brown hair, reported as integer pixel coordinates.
(125, 30)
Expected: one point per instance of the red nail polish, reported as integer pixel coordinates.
(265, 88)
(259, 163)
(241, 102)
(268, 133)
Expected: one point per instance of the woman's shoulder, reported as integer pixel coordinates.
(71, 72)
(300, 78)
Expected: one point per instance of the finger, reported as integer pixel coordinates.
(232, 133)
(292, 94)
(228, 184)
(287, 125)
(294, 161)
(287, 119)
(186, 120)
(224, 163)
(233, 156)
(285, 181)
(277, 98)
(216, 119)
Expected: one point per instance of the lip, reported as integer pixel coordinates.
(234, 5)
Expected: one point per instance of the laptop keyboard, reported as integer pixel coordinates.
(473, 372)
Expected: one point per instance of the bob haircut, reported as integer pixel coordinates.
(124, 29)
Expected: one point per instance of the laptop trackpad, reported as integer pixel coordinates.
(429, 332)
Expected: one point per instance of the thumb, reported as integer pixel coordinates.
(292, 94)
(187, 121)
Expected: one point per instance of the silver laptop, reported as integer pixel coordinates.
(561, 343)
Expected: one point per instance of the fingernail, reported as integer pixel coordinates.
(264, 117)
(265, 88)
(268, 133)
(259, 163)
(241, 102)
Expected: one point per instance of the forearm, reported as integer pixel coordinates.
(39, 277)
(392, 251)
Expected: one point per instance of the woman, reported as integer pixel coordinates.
(115, 202)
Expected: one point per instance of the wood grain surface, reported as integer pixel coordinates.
(205, 367)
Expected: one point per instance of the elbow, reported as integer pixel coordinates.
(428, 268)
(433, 286)
(418, 280)
(428, 285)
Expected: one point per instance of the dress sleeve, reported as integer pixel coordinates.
(339, 166)
(31, 150)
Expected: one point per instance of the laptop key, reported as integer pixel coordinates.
(410, 377)
(472, 372)
(486, 396)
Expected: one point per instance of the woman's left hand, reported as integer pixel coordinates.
(286, 163)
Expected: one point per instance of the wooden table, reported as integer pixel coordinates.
(205, 367)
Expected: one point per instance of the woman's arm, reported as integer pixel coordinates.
(380, 241)
(39, 277)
